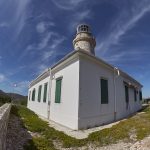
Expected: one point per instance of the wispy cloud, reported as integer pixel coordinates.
(45, 40)
(123, 56)
(21, 87)
(67, 5)
(79, 17)
(47, 55)
(41, 68)
(20, 14)
(4, 25)
(122, 24)
(2, 77)
(42, 26)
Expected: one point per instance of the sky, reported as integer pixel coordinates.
(35, 34)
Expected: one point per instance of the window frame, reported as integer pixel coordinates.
(140, 95)
(29, 95)
(126, 88)
(58, 101)
(135, 95)
(45, 92)
(107, 97)
(39, 93)
(33, 92)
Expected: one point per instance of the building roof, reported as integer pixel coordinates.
(46, 73)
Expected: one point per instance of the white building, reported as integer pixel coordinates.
(83, 91)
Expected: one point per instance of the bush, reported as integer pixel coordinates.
(4, 99)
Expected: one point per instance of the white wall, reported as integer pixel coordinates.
(80, 105)
(66, 112)
(41, 107)
(122, 111)
(91, 111)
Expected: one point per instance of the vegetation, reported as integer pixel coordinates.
(4, 99)
(14, 97)
(47, 134)
(137, 125)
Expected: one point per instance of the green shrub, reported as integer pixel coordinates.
(39, 143)
(4, 99)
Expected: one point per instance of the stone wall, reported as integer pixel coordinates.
(4, 117)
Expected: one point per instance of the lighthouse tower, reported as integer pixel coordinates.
(84, 39)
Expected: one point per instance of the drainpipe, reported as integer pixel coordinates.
(115, 97)
(49, 95)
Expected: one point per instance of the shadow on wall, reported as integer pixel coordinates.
(18, 136)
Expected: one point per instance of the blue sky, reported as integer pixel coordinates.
(34, 34)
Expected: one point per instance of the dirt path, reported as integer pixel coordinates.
(17, 136)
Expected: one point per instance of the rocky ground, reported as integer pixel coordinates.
(17, 136)
(143, 145)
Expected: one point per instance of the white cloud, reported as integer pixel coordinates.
(124, 56)
(45, 41)
(41, 68)
(4, 25)
(57, 41)
(2, 77)
(116, 57)
(21, 87)
(49, 41)
(80, 17)
(122, 24)
(20, 15)
(67, 5)
(42, 26)
(48, 54)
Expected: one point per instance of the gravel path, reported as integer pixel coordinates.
(17, 136)
(143, 145)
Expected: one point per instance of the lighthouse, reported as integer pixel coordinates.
(84, 39)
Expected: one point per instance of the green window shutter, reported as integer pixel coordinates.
(33, 95)
(140, 95)
(29, 95)
(104, 91)
(39, 93)
(45, 92)
(135, 96)
(58, 90)
(126, 94)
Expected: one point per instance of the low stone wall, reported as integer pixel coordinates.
(4, 117)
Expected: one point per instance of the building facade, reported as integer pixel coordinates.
(82, 91)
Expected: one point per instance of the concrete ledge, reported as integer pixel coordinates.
(4, 118)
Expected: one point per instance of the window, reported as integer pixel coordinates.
(33, 95)
(29, 95)
(45, 92)
(58, 90)
(104, 91)
(126, 94)
(140, 95)
(135, 96)
(39, 93)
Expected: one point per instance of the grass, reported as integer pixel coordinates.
(48, 134)
(139, 125)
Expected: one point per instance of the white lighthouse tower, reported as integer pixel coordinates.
(84, 39)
